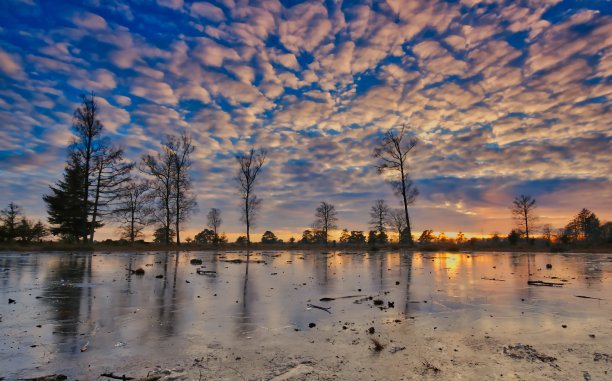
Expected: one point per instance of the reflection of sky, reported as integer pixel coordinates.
(507, 98)
(93, 300)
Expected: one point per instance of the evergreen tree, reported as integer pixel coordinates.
(9, 217)
(67, 213)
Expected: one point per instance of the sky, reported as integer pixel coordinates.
(505, 98)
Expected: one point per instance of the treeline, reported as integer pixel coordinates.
(100, 186)
(14, 226)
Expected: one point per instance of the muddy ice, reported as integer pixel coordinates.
(306, 315)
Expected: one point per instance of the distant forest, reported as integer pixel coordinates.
(100, 186)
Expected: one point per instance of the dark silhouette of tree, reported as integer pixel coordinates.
(171, 182)
(344, 236)
(397, 220)
(241, 239)
(205, 237)
(375, 236)
(163, 234)
(250, 164)
(357, 237)
(326, 218)
(547, 233)
(523, 209)
(85, 147)
(159, 168)
(111, 173)
(133, 208)
(102, 169)
(307, 236)
(65, 204)
(583, 227)
(269, 237)
(392, 154)
(180, 148)
(214, 221)
(379, 216)
(426, 236)
(38, 232)
(372, 237)
(514, 236)
(9, 217)
(606, 232)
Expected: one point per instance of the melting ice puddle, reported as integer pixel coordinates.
(67, 301)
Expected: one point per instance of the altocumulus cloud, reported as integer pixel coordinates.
(506, 97)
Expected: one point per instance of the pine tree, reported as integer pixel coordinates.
(67, 213)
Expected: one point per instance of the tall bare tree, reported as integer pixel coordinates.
(523, 210)
(250, 164)
(214, 222)
(172, 183)
(379, 216)
(159, 168)
(110, 173)
(181, 147)
(392, 154)
(133, 208)
(326, 218)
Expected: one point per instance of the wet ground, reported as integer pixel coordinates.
(303, 315)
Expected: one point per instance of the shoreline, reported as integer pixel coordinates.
(140, 247)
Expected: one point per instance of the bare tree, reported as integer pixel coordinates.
(172, 183)
(214, 222)
(379, 215)
(110, 172)
(392, 154)
(250, 164)
(180, 148)
(397, 219)
(133, 208)
(523, 210)
(547, 232)
(159, 168)
(326, 218)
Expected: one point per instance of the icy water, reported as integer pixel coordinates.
(79, 313)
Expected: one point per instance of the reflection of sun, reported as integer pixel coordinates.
(449, 262)
(393, 260)
(417, 260)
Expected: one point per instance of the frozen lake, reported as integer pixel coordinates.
(84, 314)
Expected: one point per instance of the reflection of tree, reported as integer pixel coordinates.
(406, 263)
(244, 318)
(65, 297)
(592, 269)
(167, 309)
(376, 268)
(515, 260)
(321, 271)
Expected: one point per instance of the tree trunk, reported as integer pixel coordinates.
(406, 206)
(167, 221)
(94, 214)
(132, 225)
(248, 224)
